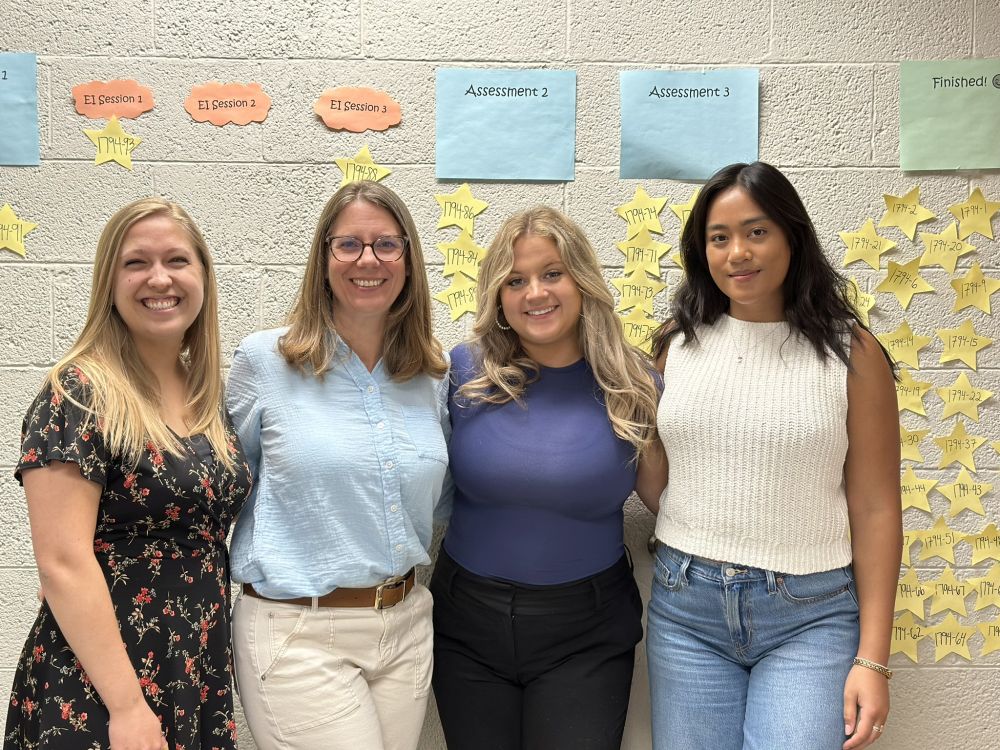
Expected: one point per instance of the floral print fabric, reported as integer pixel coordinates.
(161, 542)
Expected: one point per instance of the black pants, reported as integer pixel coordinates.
(521, 667)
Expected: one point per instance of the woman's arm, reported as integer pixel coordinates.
(62, 510)
(871, 475)
(651, 478)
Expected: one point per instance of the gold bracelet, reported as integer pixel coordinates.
(874, 665)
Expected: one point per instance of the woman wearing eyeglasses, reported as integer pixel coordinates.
(343, 417)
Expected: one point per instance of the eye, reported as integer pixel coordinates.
(389, 244)
(716, 238)
(758, 232)
(515, 282)
(133, 263)
(553, 274)
(180, 260)
(347, 244)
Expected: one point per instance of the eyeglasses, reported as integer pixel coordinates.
(386, 248)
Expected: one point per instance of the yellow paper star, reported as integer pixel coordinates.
(459, 209)
(678, 259)
(909, 444)
(958, 446)
(951, 637)
(906, 634)
(987, 589)
(985, 545)
(13, 230)
(961, 397)
(866, 245)
(962, 343)
(938, 541)
(991, 636)
(944, 249)
(913, 490)
(911, 594)
(361, 167)
(460, 296)
(113, 144)
(639, 329)
(904, 281)
(909, 538)
(643, 252)
(910, 393)
(904, 345)
(905, 212)
(974, 215)
(949, 593)
(995, 445)
(965, 494)
(683, 210)
(642, 212)
(637, 289)
(461, 254)
(862, 302)
(974, 290)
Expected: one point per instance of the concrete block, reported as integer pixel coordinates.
(466, 30)
(294, 133)
(987, 21)
(816, 116)
(15, 534)
(71, 203)
(598, 116)
(168, 131)
(116, 27)
(885, 128)
(681, 33)
(25, 315)
(278, 289)
(867, 31)
(297, 28)
(239, 305)
(71, 287)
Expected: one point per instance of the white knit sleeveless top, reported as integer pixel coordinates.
(755, 428)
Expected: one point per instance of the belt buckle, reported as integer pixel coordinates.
(389, 583)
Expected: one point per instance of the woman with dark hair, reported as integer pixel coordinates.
(779, 534)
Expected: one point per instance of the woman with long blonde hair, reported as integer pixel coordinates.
(343, 414)
(132, 477)
(536, 612)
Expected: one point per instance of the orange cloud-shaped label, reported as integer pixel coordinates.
(118, 98)
(223, 103)
(357, 109)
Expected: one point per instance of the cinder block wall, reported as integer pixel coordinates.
(828, 117)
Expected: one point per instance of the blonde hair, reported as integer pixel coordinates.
(125, 399)
(409, 347)
(623, 372)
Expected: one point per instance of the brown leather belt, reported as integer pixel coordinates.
(387, 594)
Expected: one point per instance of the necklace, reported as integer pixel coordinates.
(744, 346)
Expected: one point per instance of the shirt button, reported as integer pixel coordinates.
(381, 425)
(399, 548)
(389, 464)
(393, 507)
(371, 389)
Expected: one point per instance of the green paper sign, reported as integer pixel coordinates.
(949, 112)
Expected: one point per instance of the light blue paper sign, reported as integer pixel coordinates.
(505, 124)
(19, 105)
(686, 125)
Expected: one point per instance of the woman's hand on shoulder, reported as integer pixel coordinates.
(866, 705)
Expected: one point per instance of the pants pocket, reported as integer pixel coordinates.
(670, 567)
(815, 587)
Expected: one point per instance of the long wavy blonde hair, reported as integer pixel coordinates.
(623, 372)
(125, 397)
(409, 347)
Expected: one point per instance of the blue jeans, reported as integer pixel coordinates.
(748, 659)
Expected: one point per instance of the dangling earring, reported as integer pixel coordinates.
(501, 325)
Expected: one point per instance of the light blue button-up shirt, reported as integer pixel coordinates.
(347, 471)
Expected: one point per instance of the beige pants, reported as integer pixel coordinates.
(334, 678)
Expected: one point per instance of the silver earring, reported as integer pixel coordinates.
(502, 326)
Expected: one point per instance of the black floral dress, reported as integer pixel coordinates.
(161, 541)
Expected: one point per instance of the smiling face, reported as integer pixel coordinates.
(159, 282)
(364, 289)
(748, 256)
(542, 302)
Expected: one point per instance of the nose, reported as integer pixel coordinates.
(535, 289)
(367, 257)
(159, 277)
(739, 250)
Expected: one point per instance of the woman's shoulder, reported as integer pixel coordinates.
(464, 362)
